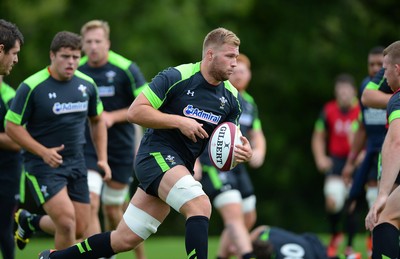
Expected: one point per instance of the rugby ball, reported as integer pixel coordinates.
(221, 145)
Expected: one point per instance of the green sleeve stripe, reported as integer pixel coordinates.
(152, 97)
(319, 125)
(139, 90)
(7, 93)
(354, 126)
(160, 161)
(257, 124)
(265, 235)
(248, 97)
(213, 174)
(394, 115)
(13, 117)
(36, 187)
(100, 108)
(373, 86)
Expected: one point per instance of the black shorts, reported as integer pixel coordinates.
(338, 165)
(45, 181)
(121, 172)
(150, 167)
(397, 181)
(215, 182)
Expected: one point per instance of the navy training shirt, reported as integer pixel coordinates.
(118, 82)
(55, 112)
(183, 91)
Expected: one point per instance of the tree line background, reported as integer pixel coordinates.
(296, 47)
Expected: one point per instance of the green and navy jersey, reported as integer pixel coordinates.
(249, 119)
(10, 161)
(287, 244)
(118, 82)
(54, 112)
(183, 91)
(393, 107)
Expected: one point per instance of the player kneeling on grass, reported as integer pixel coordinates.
(180, 109)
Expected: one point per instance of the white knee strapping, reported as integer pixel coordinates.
(370, 196)
(184, 190)
(224, 198)
(249, 204)
(336, 189)
(140, 222)
(95, 182)
(112, 196)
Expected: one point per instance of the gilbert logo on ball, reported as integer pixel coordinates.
(222, 144)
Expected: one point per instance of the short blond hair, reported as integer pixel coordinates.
(219, 37)
(393, 52)
(94, 24)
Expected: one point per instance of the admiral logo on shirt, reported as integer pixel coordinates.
(106, 91)
(61, 108)
(193, 112)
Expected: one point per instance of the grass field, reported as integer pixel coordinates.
(159, 247)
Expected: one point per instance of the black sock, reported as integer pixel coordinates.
(196, 237)
(385, 241)
(96, 246)
(334, 219)
(35, 222)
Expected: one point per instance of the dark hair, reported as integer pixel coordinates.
(263, 249)
(66, 39)
(376, 50)
(345, 78)
(9, 34)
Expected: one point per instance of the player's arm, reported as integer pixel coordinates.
(113, 117)
(98, 131)
(375, 98)
(318, 147)
(22, 137)
(356, 148)
(143, 113)
(390, 170)
(259, 146)
(7, 143)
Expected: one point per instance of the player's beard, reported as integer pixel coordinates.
(218, 73)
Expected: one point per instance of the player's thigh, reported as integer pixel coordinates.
(60, 208)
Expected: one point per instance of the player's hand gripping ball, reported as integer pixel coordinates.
(222, 144)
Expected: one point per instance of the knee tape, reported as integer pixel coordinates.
(231, 196)
(370, 196)
(249, 204)
(112, 196)
(95, 182)
(184, 190)
(140, 222)
(336, 190)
